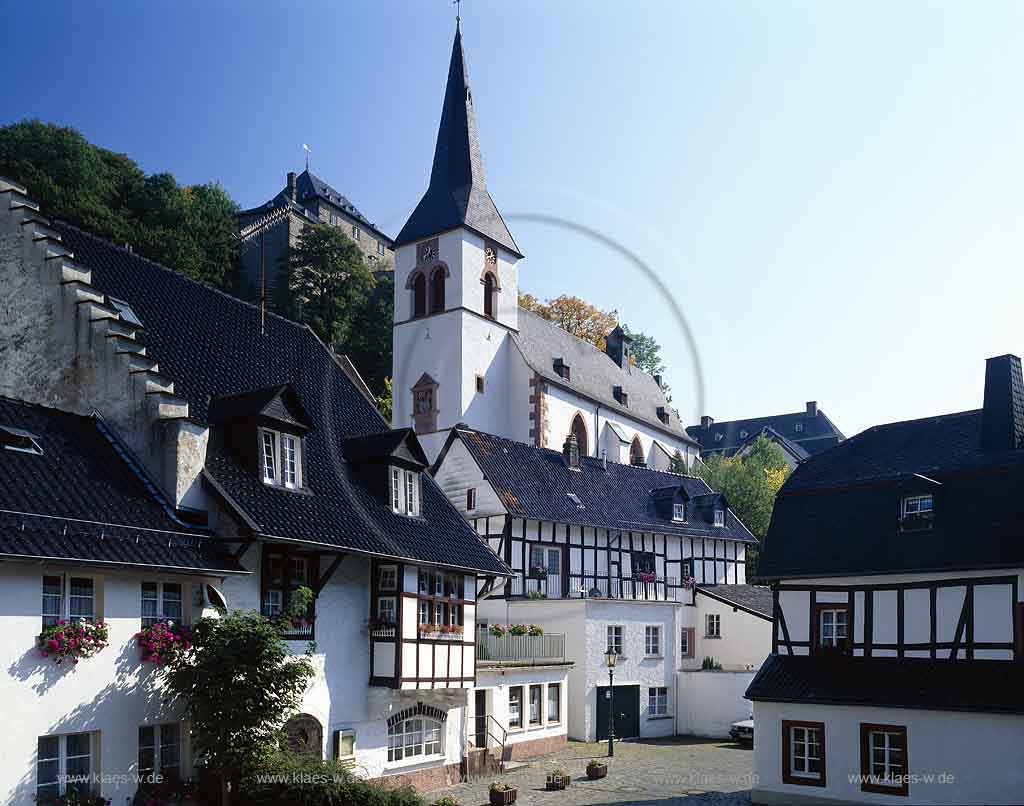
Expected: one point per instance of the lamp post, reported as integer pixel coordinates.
(609, 658)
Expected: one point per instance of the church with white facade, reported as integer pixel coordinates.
(465, 352)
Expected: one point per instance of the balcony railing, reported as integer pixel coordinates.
(660, 589)
(548, 648)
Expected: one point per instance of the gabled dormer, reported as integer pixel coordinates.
(672, 503)
(391, 465)
(918, 502)
(709, 509)
(265, 429)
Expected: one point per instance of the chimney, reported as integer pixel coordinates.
(706, 422)
(1002, 418)
(657, 380)
(663, 414)
(604, 460)
(571, 452)
(292, 187)
(812, 408)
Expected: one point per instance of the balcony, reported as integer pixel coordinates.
(549, 587)
(658, 589)
(547, 648)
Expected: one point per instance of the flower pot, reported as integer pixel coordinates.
(596, 771)
(556, 782)
(503, 798)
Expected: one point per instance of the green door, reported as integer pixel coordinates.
(626, 702)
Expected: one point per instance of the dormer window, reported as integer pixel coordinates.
(15, 439)
(562, 369)
(620, 395)
(679, 512)
(405, 492)
(719, 436)
(744, 434)
(719, 517)
(798, 427)
(917, 505)
(280, 459)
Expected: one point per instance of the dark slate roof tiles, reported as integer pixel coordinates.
(211, 345)
(536, 482)
(748, 597)
(991, 686)
(818, 432)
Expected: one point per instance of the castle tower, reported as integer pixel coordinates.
(456, 289)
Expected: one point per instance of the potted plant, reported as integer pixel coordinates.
(163, 641)
(65, 641)
(538, 572)
(447, 800)
(519, 629)
(646, 576)
(596, 769)
(535, 629)
(502, 794)
(498, 630)
(557, 779)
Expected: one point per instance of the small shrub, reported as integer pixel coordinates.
(500, 786)
(447, 800)
(710, 664)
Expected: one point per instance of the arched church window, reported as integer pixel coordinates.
(489, 295)
(437, 290)
(636, 453)
(419, 296)
(579, 430)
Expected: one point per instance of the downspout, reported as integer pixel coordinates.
(597, 428)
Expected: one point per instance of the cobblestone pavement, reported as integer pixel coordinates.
(667, 772)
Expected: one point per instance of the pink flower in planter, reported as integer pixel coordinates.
(52, 644)
(59, 636)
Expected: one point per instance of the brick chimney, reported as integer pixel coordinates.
(812, 408)
(292, 186)
(1002, 417)
(571, 452)
(618, 345)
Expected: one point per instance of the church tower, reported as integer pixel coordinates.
(456, 289)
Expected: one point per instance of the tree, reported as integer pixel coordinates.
(677, 464)
(239, 684)
(574, 315)
(646, 352)
(750, 484)
(384, 400)
(189, 228)
(326, 281)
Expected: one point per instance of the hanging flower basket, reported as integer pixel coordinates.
(72, 642)
(163, 641)
(689, 582)
(646, 576)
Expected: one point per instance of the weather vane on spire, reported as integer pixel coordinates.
(307, 149)
(458, 10)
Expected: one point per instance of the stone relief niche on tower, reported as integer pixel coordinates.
(424, 405)
(489, 279)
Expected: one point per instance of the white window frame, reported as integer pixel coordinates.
(806, 757)
(412, 738)
(684, 643)
(798, 428)
(380, 248)
(652, 641)
(470, 499)
(615, 634)
(393, 607)
(273, 603)
(406, 492)
(890, 768)
(160, 612)
(679, 513)
(274, 470)
(388, 578)
(159, 749)
(719, 517)
(356, 235)
(657, 701)
(340, 736)
(65, 600)
(62, 758)
(834, 639)
(712, 625)
(556, 690)
(912, 505)
(539, 690)
(516, 711)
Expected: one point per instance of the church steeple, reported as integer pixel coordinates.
(457, 195)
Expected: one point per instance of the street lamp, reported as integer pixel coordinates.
(609, 659)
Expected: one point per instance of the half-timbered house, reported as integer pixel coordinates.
(896, 560)
(165, 447)
(647, 562)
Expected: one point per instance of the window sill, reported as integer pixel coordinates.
(713, 637)
(415, 761)
(654, 657)
(658, 718)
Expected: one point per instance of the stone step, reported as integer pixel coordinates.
(137, 363)
(156, 383)
(73, 273)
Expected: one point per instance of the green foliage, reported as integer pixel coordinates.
(187, 227)
(296, 780)
(447, 800)
(677, 464)
(384, 400)
(710, 663)
(750, 484)
(329, 285)
(239, 684)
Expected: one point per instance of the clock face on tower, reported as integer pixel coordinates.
(427, 252)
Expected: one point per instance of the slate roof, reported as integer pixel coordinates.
(535, 483)
(593, 373)
(81, 500)
(819, 432)
(457, 194)
(211, 345)
(991, 686)
(838, 512)
(756, 599)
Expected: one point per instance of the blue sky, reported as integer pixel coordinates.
(831, 189)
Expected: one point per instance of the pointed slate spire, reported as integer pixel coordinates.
(457, 195)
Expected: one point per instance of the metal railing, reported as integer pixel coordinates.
(661, 589)
(549, 587)
(520, 648)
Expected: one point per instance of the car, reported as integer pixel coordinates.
(743, 731)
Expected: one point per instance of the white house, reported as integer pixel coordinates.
(647, 562)
(165, 450)
(897, 562)
(464, 352)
